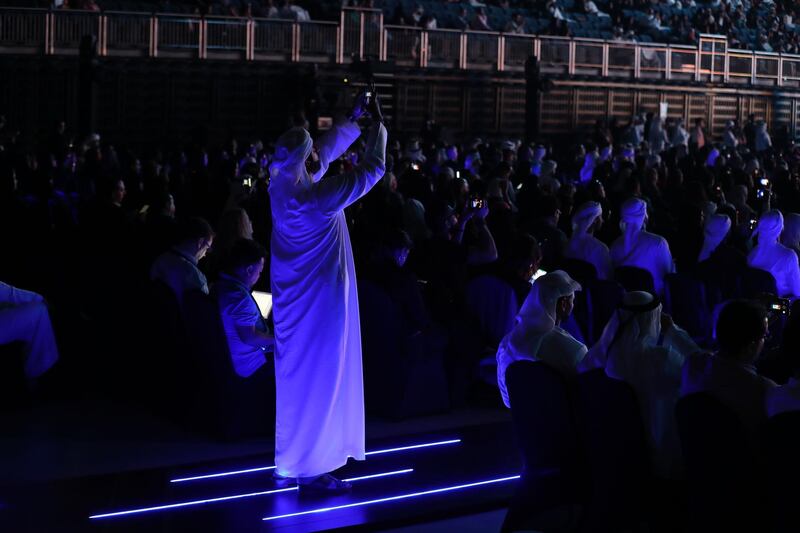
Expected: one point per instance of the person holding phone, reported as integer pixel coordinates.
(318, 370)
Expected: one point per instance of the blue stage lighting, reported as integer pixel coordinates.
(234, 497)
(395, 498)
(264, 468)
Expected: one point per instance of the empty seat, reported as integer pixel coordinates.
(635, 279)
(403, 377)
(542, 413)
(493, 303)
(686, 300)
(603, 298)
(782, 444)
(617, 453)
(725, 488)
(579, 270)
(754, 281)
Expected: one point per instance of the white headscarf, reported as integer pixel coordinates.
(716, 228)
(289, 162)
(633, 214)
(636, 324)
(791, 231)
(769, 228)
(536, 318)
(584, 217)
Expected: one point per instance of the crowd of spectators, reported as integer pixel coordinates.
(748, 24)
(88, 223)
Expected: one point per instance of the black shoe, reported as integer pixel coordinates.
(325, 484)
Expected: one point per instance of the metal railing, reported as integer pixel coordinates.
(361, 34)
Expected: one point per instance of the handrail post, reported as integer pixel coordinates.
(780, 70)
(501, 59)
(605, 60)
(384, 42)
(340, 39)
(50, 46)
(727, 75)
(298, 30)
(203, 39)
(637, 62)
(423, 49)
(571, 60)
(47, 31)
(361, 36)
(697, 63)
(249, 32)
(154, 36)
(668, 64)
(462, 52)
(753, 70)
(381, 41)
(102, 40)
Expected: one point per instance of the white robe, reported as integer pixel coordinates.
(535, 335)
(775, 258)
(319, 381)
(587, 247)
(644, 250)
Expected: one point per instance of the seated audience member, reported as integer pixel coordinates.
(24, 317)
(177, 267)
(245, 329)
(715, 230)
(584, 245)
(234, 224)
(520, 264)
(551, 239)
(730, 374)
(159, 226)
(643, 347)
(639, 248)
(387, 269)
(791, 232)
(775, 258)
(537, 335)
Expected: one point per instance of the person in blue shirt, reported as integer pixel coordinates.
(245, 329)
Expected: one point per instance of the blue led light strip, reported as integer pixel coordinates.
(263, 468)
(234, 497)
(394, 498)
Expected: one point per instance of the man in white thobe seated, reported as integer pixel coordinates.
(245, 329)
(584, 245)
(318, 374)
(639, 248)
(641, 346)
(24, 318)
(537, 335)
(775, 258)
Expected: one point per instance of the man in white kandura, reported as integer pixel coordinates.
(320, 393)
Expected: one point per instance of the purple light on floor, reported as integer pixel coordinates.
(395, 498)
(234, 497)
(264, 468)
